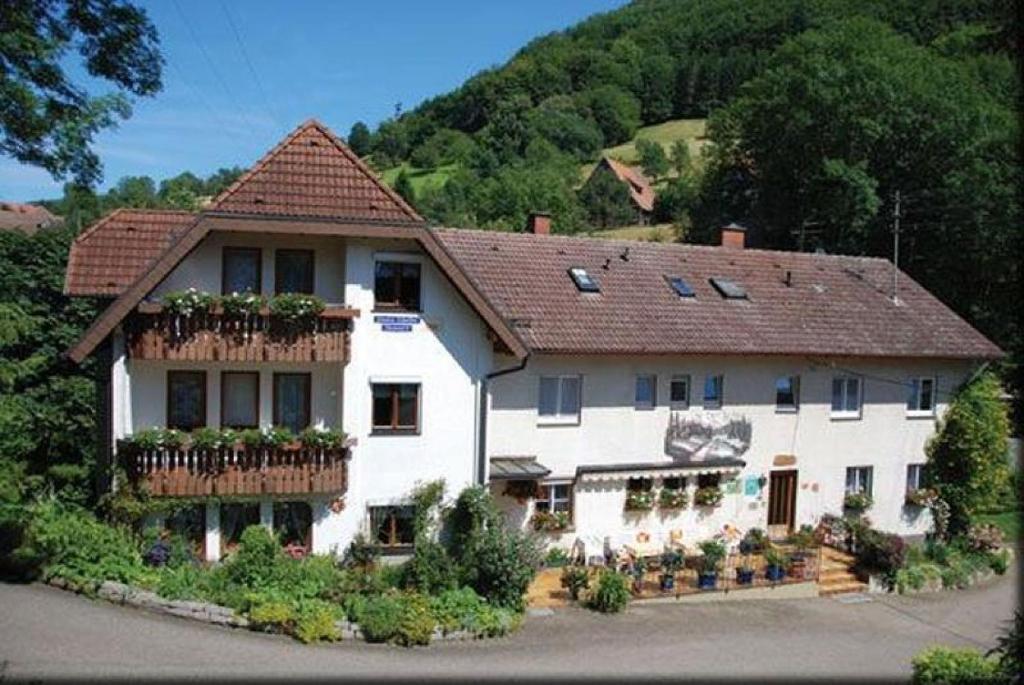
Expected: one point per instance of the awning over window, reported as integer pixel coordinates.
(609, 472)
(517, 468)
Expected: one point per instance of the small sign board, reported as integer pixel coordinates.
(393, 319)
(751, 487)
(397, 327)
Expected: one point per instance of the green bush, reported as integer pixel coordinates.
(316, 622)
(556, 557)
(457, 609)
(362, 552)
(574, 579)
(416, 626)
(611, 594)
(495, 621)
(953, 666)
(273, 615)
(258, 560)
(379, 618)
(501, 566)
(999, 561)
(430, 569)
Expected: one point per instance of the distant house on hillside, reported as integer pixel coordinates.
(18, 216)
(641, 194)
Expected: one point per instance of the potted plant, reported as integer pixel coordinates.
(857, 501)
(802, 540)
(639, 500)
(708, 496)
(776, 563)
(753, 541)
(672, 498)
(638, 570)
(745, 573)
(671, 562)
(714, 554)
(575, 579)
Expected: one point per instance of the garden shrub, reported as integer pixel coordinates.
(574, 579)
(430, 569)
(611, 594)
(316, 622)
(258, 560)
(502, 564)
(362, 553)
(457, 609)
(495, 621)
(379, 618)
(953, 666)
(883, 553)
(416, 625)
(999, 561)
(274, 615)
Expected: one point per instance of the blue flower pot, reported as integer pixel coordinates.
(668, 582)
(774, 573)
(706, 581)
(745, 577)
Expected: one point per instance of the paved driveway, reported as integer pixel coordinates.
(47, 632)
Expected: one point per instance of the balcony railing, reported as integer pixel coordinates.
(194, 472)
(211, 336)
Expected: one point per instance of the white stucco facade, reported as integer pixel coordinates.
(448, 353)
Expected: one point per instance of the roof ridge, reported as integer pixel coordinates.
(260, 163)
(117, 211)
(92, 228)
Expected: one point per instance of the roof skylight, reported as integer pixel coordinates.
(730, 290)
(681, 287)
(584, 281)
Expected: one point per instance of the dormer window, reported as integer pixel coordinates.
(585, 283)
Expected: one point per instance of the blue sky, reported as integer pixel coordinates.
(338, 61)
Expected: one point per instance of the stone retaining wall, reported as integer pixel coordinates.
(119, 593)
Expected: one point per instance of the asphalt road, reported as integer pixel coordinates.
(45, 632)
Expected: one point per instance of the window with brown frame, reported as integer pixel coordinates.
(292, 400)
(293, 271)
(392, 526)
(186, 399)
(396, 407)
(396, 286)
(241, 270)
(240, 399)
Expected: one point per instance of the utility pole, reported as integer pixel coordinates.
(896, 249)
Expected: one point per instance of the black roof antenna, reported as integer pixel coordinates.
(607, 263)
(625, 254)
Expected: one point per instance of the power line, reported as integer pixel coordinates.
(248, 62)
(213, 67)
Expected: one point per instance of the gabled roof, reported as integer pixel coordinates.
(311, 173)
(24, 217)
(833, 306)
(107, 257)
(640, 189)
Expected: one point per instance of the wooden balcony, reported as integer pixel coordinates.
(237, 471)
(157, 335)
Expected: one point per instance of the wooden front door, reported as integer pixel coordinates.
(781, 503)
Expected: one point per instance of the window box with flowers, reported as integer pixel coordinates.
(672, 498)
(639, 500)
(920, 497)
(521, 490)
(857, 501)
(550, 521)
(708, 496)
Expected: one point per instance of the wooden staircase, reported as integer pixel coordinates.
(837, 576)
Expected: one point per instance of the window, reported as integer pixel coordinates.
(858, 480)
(241, 270)
(646, 388)
(240, 399)
(293, 271)
(234, 519)
(787, 393)
(559, 399)
(680, 287)
(396, 407)
(392, 526)
(676, 483)
(708, 480)
(584, 281)
(679, 392)
(713, 392)
(915, 477)
(554, 497)
(639, 484)
(730, 290)
(293, 523)
(396, 285)
(186, 399)
(291, 400)
(846, 397)
(921, 396)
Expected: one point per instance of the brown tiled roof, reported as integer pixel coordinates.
(835, 305)
(311, 173)
(20, 216)
(107, 257)
(640, 189)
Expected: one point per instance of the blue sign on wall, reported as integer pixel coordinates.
(391, 319)
(397, 327)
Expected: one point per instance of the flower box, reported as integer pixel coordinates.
(708, 496)
(672, 499)
(550, 522)
(639, 500)
(857, 501)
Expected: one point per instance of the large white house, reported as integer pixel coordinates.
(594, 385)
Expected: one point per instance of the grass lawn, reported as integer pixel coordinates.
(665, 133)
(663, 232)
(420, 178)
(1008, 522)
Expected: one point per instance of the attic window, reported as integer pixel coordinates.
(681, 287)
(584, 281)
(730, 290)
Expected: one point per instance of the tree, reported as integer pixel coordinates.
(135, 191)
(403, 186)
(652, 158)
(967, 457)
(181, 192)
(48, 120)
(616, 112)
(359, 139)
(679, 154)
(606, 200)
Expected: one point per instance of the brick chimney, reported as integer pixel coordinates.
(733, 236)
(538, 223)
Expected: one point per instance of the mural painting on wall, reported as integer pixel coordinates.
(707, 438)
